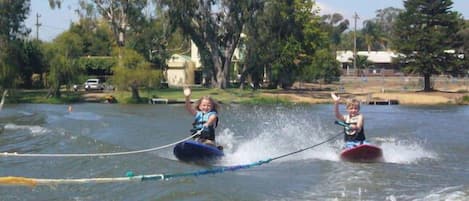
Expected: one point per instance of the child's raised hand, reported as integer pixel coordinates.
(334, 97)
(187, 91)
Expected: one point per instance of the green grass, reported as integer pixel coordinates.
(124, 97)
(40, 96)
(225, 96)
(465, 99)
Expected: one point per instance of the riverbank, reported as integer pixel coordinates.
(404, 91)
(404, 98)
(375, 90)
(311, 94)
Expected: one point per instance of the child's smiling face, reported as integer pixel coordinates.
(353, 110)
(205, 106)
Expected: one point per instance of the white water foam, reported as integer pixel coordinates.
(34, 129)
(404, 152)
(274, 141)
(451, 193)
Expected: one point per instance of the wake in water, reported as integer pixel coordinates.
(405, 152)
(279, 134)
(35, 130)
(285, 132)
(89, 116)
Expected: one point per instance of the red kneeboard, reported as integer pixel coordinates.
(362, 153)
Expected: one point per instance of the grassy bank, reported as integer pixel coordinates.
(406, 91)
(124, 97)
(40, 96)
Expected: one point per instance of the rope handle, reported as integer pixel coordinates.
(343, 124)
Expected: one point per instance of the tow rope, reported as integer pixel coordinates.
(130, 177)
(98, 154)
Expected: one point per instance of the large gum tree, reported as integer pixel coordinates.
(215, 26)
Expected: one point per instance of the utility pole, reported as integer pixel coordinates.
(355, 17)
(37, 25)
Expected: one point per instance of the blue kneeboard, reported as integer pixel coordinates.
(193, 151)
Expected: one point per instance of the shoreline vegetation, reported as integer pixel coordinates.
(405, 91)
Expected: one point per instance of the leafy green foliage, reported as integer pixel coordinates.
(13, 14)
(335, 25)
(94, 64)
(290, 42)
(424, 32)
(324, 67)
(132, 71)
(33, 63)
(63, 56)
(215, 27)
(96, 37)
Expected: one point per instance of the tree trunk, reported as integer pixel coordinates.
(219, 73)
(221, 80)
(134, 89)
(427, 84)
(54, 92)
(242, 78)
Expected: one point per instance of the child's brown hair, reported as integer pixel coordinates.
(353, 102)
(215, 105)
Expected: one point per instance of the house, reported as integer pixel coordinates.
(180, 71)
(381, 62)
(186, 70)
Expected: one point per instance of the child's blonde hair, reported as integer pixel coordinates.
(215, 105)
(352, 103)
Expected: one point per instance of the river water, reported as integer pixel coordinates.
(425, 150)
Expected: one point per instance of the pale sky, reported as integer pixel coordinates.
(57, 21)
(366, 9)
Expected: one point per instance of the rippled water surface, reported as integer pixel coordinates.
(425, 150)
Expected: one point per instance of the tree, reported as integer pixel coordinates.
(378, 31)
(335, 24)
(362, 63)
(373, 35)
(13, 14)
(324, 67)
(154, 40)
(215, 27)
(287, 41)
(463, 48)
(32, 62)
(134, 72)
(424, 32)
(96, 37)
(121, 15)
(63, 55)
(386, 19)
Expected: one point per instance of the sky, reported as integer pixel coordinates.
(54, 22)
(366, 9)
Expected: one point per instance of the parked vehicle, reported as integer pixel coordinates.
(94, 84)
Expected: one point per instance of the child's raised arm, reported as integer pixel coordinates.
(336, 107)
(188, 104)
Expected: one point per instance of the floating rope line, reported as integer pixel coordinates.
(32, 182)
(98, 154)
